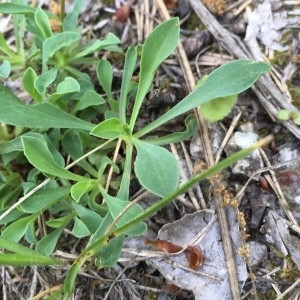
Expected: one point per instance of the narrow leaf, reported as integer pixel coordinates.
(42, 21)
(43, 199)
(160, 43)
(109, 40)
(13, 8)
(130, 62)
(105, 76)
(15, 231)
(26, 260)
(28, 81)
(90, 218)
(44, 115)
(56, 42)
(230, 79)
(41, 158)
(80, 188)
(44, 80)
(80, 230)
(175, 137)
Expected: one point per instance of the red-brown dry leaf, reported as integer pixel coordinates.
(194, 257)
(170, 4)
(123, 13)
(164, 246)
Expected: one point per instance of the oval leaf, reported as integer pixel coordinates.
(108, 129)
(156, 168)
(218, 108)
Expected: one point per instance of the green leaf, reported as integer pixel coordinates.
(130, 62)
(106, 221)
(13, 8)
(297, 120)
(109, 40)
(72, 143)
(29, 78)
(5, 69)
(5, 47)
(175, 137)
(90, 218)
(59, 222)
(43, 199)
(108, 129)
(81, 188)
(12, 216)
(283, 114)
(15, 231)
(80, 230)
(44, 115)
(70, 21)
(110, 253)
(7, 259)
(55, 43)
(69, 85)
(230, 79)
(105, 76)
(89, 98)
(44, 80)
(218, 108)
(41, 158)
(42, 22)
(48, 243)
(160, 43)
(156, 168)
(116, 206)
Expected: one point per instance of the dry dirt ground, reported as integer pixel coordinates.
(263, 192)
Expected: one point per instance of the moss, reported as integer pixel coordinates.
(216, 6)
(281, 58)
(193, 22)
(294, 90)
(290, 273)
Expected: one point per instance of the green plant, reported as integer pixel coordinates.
(51, 60)
(88, 200)
(285, 115)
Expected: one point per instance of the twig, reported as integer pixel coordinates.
(185, 178)
(228, 135)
